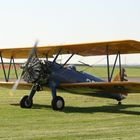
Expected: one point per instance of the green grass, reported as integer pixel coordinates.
(83, 118)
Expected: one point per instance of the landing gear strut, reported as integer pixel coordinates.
(27, 101)
(57, 101)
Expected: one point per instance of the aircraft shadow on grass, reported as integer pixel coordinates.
(96, 109)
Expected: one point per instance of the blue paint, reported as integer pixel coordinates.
(61, 75)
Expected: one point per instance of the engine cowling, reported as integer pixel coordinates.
(32, 70)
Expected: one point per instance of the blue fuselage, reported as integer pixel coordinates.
(61, 75)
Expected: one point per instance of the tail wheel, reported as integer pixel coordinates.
(58, 103)
(119, 103)
(25, 102)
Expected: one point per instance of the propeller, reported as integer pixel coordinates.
(27, 66)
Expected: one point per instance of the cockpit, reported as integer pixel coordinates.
(71, 67)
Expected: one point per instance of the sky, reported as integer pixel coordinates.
(22, 22)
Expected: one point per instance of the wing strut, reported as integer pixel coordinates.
(120, 66)
(4, 72)
(6, 76)
(114, 66)
(57, 56)
(67, 60)
(108, 66)
(12, 59)
(118, 56)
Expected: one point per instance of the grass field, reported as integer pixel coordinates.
(84, 118)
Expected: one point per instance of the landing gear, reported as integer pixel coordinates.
(25, 102)
(119, 103)
(58, 103)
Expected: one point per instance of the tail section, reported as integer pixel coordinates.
(121, 76)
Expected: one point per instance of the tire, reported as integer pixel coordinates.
(58, 103)
(25, 103)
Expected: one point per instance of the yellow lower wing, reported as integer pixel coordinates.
(111, 87)
(10, 85)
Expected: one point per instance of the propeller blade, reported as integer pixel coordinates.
(15, 86)
(31, 54)
(16, 83)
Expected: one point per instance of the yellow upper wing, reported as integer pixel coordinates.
(85, 49)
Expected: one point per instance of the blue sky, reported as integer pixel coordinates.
(67, 21)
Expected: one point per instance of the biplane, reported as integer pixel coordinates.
(40, 74)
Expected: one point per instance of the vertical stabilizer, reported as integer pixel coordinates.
(121, 76)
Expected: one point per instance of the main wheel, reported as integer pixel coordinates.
(25, 102)
(58, 103)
